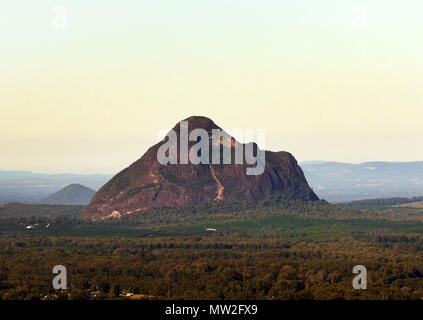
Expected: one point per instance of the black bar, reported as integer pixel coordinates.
(237, 309)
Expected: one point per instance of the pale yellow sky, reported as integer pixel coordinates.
(93, 96)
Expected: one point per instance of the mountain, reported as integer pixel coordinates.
(29, 187)
(74, 194)
(337, 181)
(147, 183)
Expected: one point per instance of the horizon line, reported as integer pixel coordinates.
(304, 162)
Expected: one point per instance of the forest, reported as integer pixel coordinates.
(274, 250)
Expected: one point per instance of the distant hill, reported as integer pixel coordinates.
(30, 187)
(385, 202)
(74, 194)
(337, 181)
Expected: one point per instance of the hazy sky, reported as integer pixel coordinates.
(330, 80)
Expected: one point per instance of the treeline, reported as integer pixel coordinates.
(220, 211)
(206, 212)
(213, 211)
(381, 202)
(38, 210)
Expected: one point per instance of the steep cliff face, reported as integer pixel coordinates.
(147, 183)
